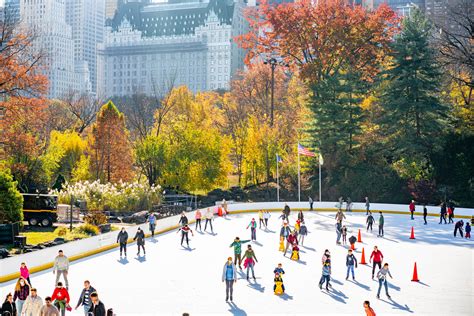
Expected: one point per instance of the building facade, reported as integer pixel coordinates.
(186, 42)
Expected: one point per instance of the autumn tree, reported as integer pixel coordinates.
(84, 108)
(109, 148)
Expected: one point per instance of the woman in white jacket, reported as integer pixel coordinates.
(209, 217)
(33, 304)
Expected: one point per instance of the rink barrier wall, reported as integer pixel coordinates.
(42, 260)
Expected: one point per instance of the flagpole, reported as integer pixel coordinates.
(299, 178)
(278, 180)
(319, 179)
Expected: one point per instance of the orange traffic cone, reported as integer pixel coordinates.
(415, 274)
(359, 237)
(412, 236)
(362, 259)
(352, 247)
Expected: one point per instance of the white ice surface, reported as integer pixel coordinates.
(171, 280)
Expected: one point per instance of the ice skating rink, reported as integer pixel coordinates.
(171, 279)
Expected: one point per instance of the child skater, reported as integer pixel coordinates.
(344, 235)
(253, 229)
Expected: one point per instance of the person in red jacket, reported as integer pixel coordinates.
(412, 208)
(378, 257)
(292, 240)
(61, 298)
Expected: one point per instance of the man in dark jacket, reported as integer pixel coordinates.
(443, 213)
(85, 298)
(183, 220)
(97, 307)
(350, 262)
(122, 240)
(140, 238)
(458, 226)
(370, 221)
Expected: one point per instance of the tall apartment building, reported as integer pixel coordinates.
(402, 7)
(187, 41)
(110, 8)
(87, 21)
(12, 8)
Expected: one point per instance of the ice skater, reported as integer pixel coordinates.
(425, 213)
(326, 274)
(61, 267)
(325, 256)
(266, 217)
(344, 235)
(349, 205)
(260, 219)
(22, 291)
(340, 216)
(122, 239)
(458, 226)
(370, 221)
(368, 310)
(61, 298)
(209, 217)
(338, 233)
(450, 215)
(229, 276)
(291, 240)
(85, 298)
(412, 208)
(253, 229)
(183, 220)
(278, 287)
(198, 216)
(301, 216)
(185, 230)
(152, 221)
(310, 200)
(250, 260)
(140, 238)
(442, 214)
(25, 273)
(468, 230)
(381, 223)
(367, 206)
(279, 269)
(378, 257)
(237, 244)
(303, 233)
(351, 261)
(382, 277)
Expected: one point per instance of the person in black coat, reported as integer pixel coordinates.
(443, 213)
(122, 239)
(140, 238)
(459, 226)
(97, 307)
(183, 220)
(9, 307)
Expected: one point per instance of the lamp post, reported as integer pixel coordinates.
(273, 62)
(70, 214)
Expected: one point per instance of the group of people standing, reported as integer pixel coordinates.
(26, 301)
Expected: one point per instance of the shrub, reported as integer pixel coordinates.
(95, 218)
(61, 231)
(11, 201)
(87, 229)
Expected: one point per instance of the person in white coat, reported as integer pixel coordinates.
(209, 217)
(33, 304)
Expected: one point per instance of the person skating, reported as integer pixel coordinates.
(370, 221)
(278, 286)
(338, 232)
(25, 273)
(184, 233)
(344, 234)
(8, 306)
(295, 252)
(349, 205)
(425, 213)
(368, 310)
(237, 244)
(260, 219)
(279, 269)
(351, 261)
(459, 226)
(253, 229)
(33, 304)
(367, 206)
(85, 297)
(381, 223)
(325, 256)
(450, 215)
(122, 239)
(340, 202)
(61, 267)
(152, 222)
(48, 308)
(266, 217)
(468, 230)
(250, 260)
(183, 220)
(326, 274)
(285, 231)
(97, 307)
(442, 214)
(291, 240)
(61, 298)
(140, 238)
(301, 216)
(310, 200)
(287, 212)
(412, 208)
(209, 217)
(340, 216)
(198, 217)
(22, 291)
(303, 233)
(378, 257)
(229, 276)
(297, 226)
(382, 277)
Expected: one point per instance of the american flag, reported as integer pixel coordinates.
(305, 152)
(278, 158)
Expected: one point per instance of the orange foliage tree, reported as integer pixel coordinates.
(109, 147)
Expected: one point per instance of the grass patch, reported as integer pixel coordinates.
(34, 238)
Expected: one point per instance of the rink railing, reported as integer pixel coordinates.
(41, 260)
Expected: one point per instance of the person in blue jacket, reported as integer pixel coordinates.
(279, 270)
(350, 262)
(229, 276)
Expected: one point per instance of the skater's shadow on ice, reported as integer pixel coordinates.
(153, 240)
(123, 261)
(212, 234)
(365, 287)
(269, 231)
(200, 232)
(337, 296)
(393, 286)
(285, 297)
(141, 259)
(235, 310)
(422, 283)
(257, 243)
(257, 287)
(301, 262)
(188, 249)
(392, 240)
(398, 306)
(309, 248)
(336, 281)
